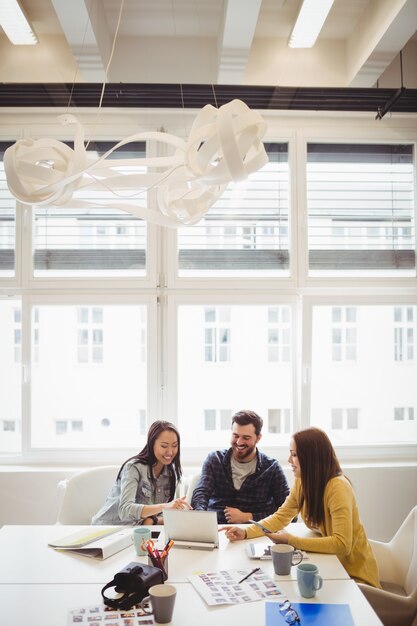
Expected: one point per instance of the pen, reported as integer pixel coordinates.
(250, 574)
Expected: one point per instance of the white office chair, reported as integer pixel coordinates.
(396, 602)
(192, 483)
(85, 493)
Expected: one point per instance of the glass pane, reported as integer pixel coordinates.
(356, 399)
(10, 376)
(361, 209)
(95, 398)
(247, 379)
(93, 241)
(244, 233)
(7, 222)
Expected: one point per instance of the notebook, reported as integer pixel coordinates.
(192, 529)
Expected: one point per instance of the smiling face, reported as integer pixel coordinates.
(243, 442)
(165, 449)
(293, 460)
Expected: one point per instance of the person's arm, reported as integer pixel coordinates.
(131, 511)
(150, 510)
(204, 487)
(339, 501)
(281, 517)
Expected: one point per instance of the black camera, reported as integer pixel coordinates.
(133, 583)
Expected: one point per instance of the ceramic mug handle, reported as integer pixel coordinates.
(146, 609)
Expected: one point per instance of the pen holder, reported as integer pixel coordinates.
(162, 565)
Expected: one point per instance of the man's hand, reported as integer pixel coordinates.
(236, 516)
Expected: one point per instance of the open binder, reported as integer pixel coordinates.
(96, 543)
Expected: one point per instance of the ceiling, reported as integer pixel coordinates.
(213, 42)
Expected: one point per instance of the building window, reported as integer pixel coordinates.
(404, 333)
(209, 419)
(64, 427)
(90, 335)
(279, 421)
(279, 334)
(344, 333)
(345, 419)
(217, 419)
(217, 334)
(402, 414)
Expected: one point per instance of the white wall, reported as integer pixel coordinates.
(385, 495)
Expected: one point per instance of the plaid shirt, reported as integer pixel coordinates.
(261, 493)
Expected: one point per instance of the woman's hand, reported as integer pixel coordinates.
(178, 503)
(233, 533)
(281, 536)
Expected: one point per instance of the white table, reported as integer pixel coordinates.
(39, 585)
(30, 560)
(48, 605)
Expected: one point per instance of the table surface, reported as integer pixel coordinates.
(49, 605)
(39, 585)
(30, 560)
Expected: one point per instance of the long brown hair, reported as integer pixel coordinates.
(318, 464)
(147, 456)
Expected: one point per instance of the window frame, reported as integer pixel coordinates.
(162, 287)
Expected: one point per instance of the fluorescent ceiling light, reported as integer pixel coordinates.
(15, 25)
(309, 23)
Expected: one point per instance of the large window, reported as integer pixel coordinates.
(93, 241)
(295, 296)
(246, 231)
(209, 390)
(361, 208)
(361, 399)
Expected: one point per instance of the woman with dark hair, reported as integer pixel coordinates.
(327, 503)
(146, 483)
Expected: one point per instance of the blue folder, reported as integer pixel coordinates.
(311, 614)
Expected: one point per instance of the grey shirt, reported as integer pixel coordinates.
(131, 492)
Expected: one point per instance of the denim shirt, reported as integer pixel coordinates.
(131, 492)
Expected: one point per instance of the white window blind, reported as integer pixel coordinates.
(92, 242)
(361, 208)
(246, 230)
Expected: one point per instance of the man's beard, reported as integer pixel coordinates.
(242, 455)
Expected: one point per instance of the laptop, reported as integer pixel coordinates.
(192, 529)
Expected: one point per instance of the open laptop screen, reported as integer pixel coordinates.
(192, 527)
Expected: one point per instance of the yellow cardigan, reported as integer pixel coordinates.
(342, 531)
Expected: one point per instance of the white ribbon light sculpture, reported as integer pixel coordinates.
(224, 145)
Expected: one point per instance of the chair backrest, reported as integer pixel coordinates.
(191, 486)
(85, 493)
(404, 551)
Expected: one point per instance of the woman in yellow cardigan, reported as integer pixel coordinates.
(327, 503)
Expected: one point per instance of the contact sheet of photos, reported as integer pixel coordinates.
(227, 586)
(101, 615)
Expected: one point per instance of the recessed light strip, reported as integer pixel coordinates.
(310, 20)
(15, 25)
